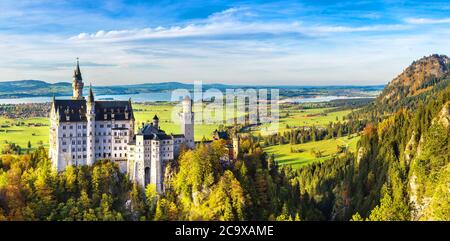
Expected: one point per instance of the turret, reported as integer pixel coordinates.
(156, 122)
(77, 83)
(90, 116)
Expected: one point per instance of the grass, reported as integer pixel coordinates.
(309, 117)
(284, 156)
(20, 134)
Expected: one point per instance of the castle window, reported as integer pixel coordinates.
(109, 126)
(64, 135)
(64, 127)
(101, 126)
(71, 127)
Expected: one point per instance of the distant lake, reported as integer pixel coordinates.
(159, 96)
(319, 99)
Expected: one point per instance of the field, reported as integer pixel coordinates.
(36, 130)
(284, 156)
(291, 117)
(23, 130)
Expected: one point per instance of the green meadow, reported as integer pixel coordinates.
(329, 148)
(20, 131)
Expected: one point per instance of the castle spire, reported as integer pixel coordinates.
(91, 94)
(77, 83)
(77, 71)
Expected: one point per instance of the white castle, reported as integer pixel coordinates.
(84, 131)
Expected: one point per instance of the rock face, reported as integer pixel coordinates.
(425, 205)
(410, 148)
(444, 116)
(419, 77)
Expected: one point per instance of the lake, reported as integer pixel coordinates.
(159, 96)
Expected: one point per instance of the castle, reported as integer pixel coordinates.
(83, 131)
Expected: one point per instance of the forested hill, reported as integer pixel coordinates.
(428, 74)
(403, 161)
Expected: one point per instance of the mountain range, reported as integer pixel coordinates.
(38, 88)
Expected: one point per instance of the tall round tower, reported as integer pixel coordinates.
(90, 140)
(187, 122)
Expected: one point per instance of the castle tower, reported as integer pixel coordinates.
(187, 122)
(90, 116)
(155, 122)
(77, 83)
(236, 146)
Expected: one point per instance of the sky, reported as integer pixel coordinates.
(309, 42)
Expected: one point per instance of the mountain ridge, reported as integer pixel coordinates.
(38, 88)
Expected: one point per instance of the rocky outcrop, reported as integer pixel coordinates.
(421, 76)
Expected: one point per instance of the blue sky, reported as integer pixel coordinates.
(256, 42)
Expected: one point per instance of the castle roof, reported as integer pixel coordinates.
(150, 132)
(75, 110)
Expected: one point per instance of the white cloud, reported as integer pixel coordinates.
(427, 20)
(217, 28)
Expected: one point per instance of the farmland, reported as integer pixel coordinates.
(303, 154)
(35, 130)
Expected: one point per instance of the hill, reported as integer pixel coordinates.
(422, 76)
(37, 88)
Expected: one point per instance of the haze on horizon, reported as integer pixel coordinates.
(240, 42)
